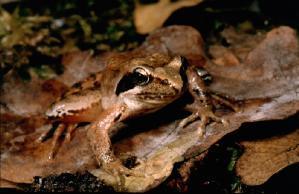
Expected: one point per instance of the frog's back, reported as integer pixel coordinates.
(80, 98)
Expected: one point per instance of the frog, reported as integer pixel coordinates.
(136, 87)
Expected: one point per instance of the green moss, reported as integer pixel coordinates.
(51, 29)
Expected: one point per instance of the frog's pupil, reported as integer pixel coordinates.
(139, 79)
(205, 76)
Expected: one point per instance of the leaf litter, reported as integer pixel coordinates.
(265, 87)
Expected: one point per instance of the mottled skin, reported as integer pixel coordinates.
(138, 86)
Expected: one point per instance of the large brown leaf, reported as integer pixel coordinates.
(266, 79)
(263, 158)
(149, 17)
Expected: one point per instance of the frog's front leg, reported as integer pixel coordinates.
(202, 106)
(98, 136)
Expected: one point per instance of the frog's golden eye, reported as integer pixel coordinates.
(140, 76)
(204, 75)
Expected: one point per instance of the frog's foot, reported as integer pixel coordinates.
(59, 131)
(226, 101)
(206, 115)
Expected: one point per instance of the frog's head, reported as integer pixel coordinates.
(152, 82)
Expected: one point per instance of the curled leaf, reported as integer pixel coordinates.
(149, 17)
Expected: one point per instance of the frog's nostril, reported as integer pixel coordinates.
(165, 82)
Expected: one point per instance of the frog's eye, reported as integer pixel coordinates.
(138, 77)
(204, 75)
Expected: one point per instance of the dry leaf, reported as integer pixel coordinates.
(158, 148)
(28, 98)
(263, 158)
(149, 17)
(8, 1)
(78, 65)
(254, 76)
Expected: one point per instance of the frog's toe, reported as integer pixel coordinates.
(69, 130)
(205, 118)
(224, 122)
(183, 123)
(227, 102)
(59, 130)
(57, 134)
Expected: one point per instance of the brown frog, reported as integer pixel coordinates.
(136, 87)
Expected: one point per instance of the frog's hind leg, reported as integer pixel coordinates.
(61, 129)
(57, 134)
(69, 131)
(49, 133)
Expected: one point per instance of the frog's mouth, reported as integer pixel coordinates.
(157, 98)
(142, 102)
(147, 103)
